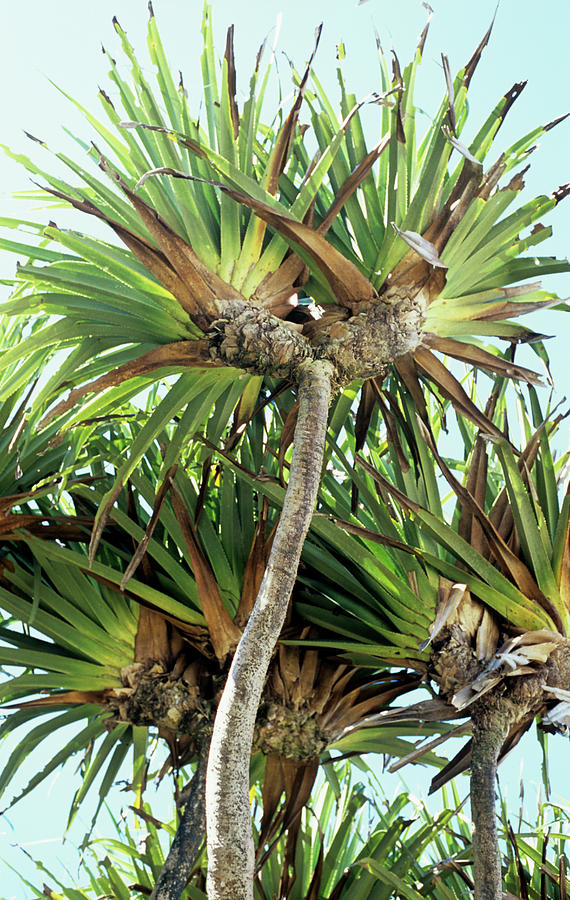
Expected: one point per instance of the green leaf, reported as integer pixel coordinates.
(532, 532)
(387, 877)
(198, 392)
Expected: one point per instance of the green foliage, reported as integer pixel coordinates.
(120, 433)
(354, 843)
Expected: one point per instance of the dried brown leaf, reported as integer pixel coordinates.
(308, 675)
(296, 780)
(364, 414)
(206, 289)
(277, 775)
(482, 359)
(224, 633)
(153, 259)
(149, 530)
(453, 390)
(152, 639)
(460, 762)
(501, 513)
(474, 61)
(428, 746)
(523, 881)
(289, 668)
(476, 483)
(424, 34)
(448, 601)
(564, 570)
(510, 97)
(413, 278)
(390, 421)
(351, 184)
(231, 76)
(487, 636)
(466, 188)
(177, 355)
(146, 817)
(508, 561)
(403, 500)
(435, 710)
(347, 282)
(408, 372)
(278, 286)
(255, 567)
(370, 535)
(380, 698)
(65, 698)
(562, 882)
(281, 151)
(286, 437)
(450, 91)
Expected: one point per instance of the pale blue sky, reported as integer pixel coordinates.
(61, 40)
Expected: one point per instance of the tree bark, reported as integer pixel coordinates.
(187, 840)
(489, 735)
(228, 810)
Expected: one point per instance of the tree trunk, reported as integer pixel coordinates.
(228, 810)
(489, 735)
(187, 840)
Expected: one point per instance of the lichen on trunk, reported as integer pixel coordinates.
(230, 840)
(292, 733)
(251, 338)
(493, 717)
(488, 738)
(358, 346)
(152, 696)
(512, 705)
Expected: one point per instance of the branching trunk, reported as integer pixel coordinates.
(488, 737)
(189, 836)
(228, 811)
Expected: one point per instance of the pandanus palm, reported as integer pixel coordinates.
(487, 593)
(404, 253)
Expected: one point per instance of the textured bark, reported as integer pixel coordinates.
(228, 813)
(488, 738)
(359, 346)
(364, 345)
(253, 339)
(186, 844)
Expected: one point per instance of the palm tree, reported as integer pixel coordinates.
(492, 584)
(405, 254)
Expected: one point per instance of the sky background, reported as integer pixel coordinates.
(62, 40)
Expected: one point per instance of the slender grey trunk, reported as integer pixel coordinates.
(228, 809)
(187, 840)
(488, 738)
